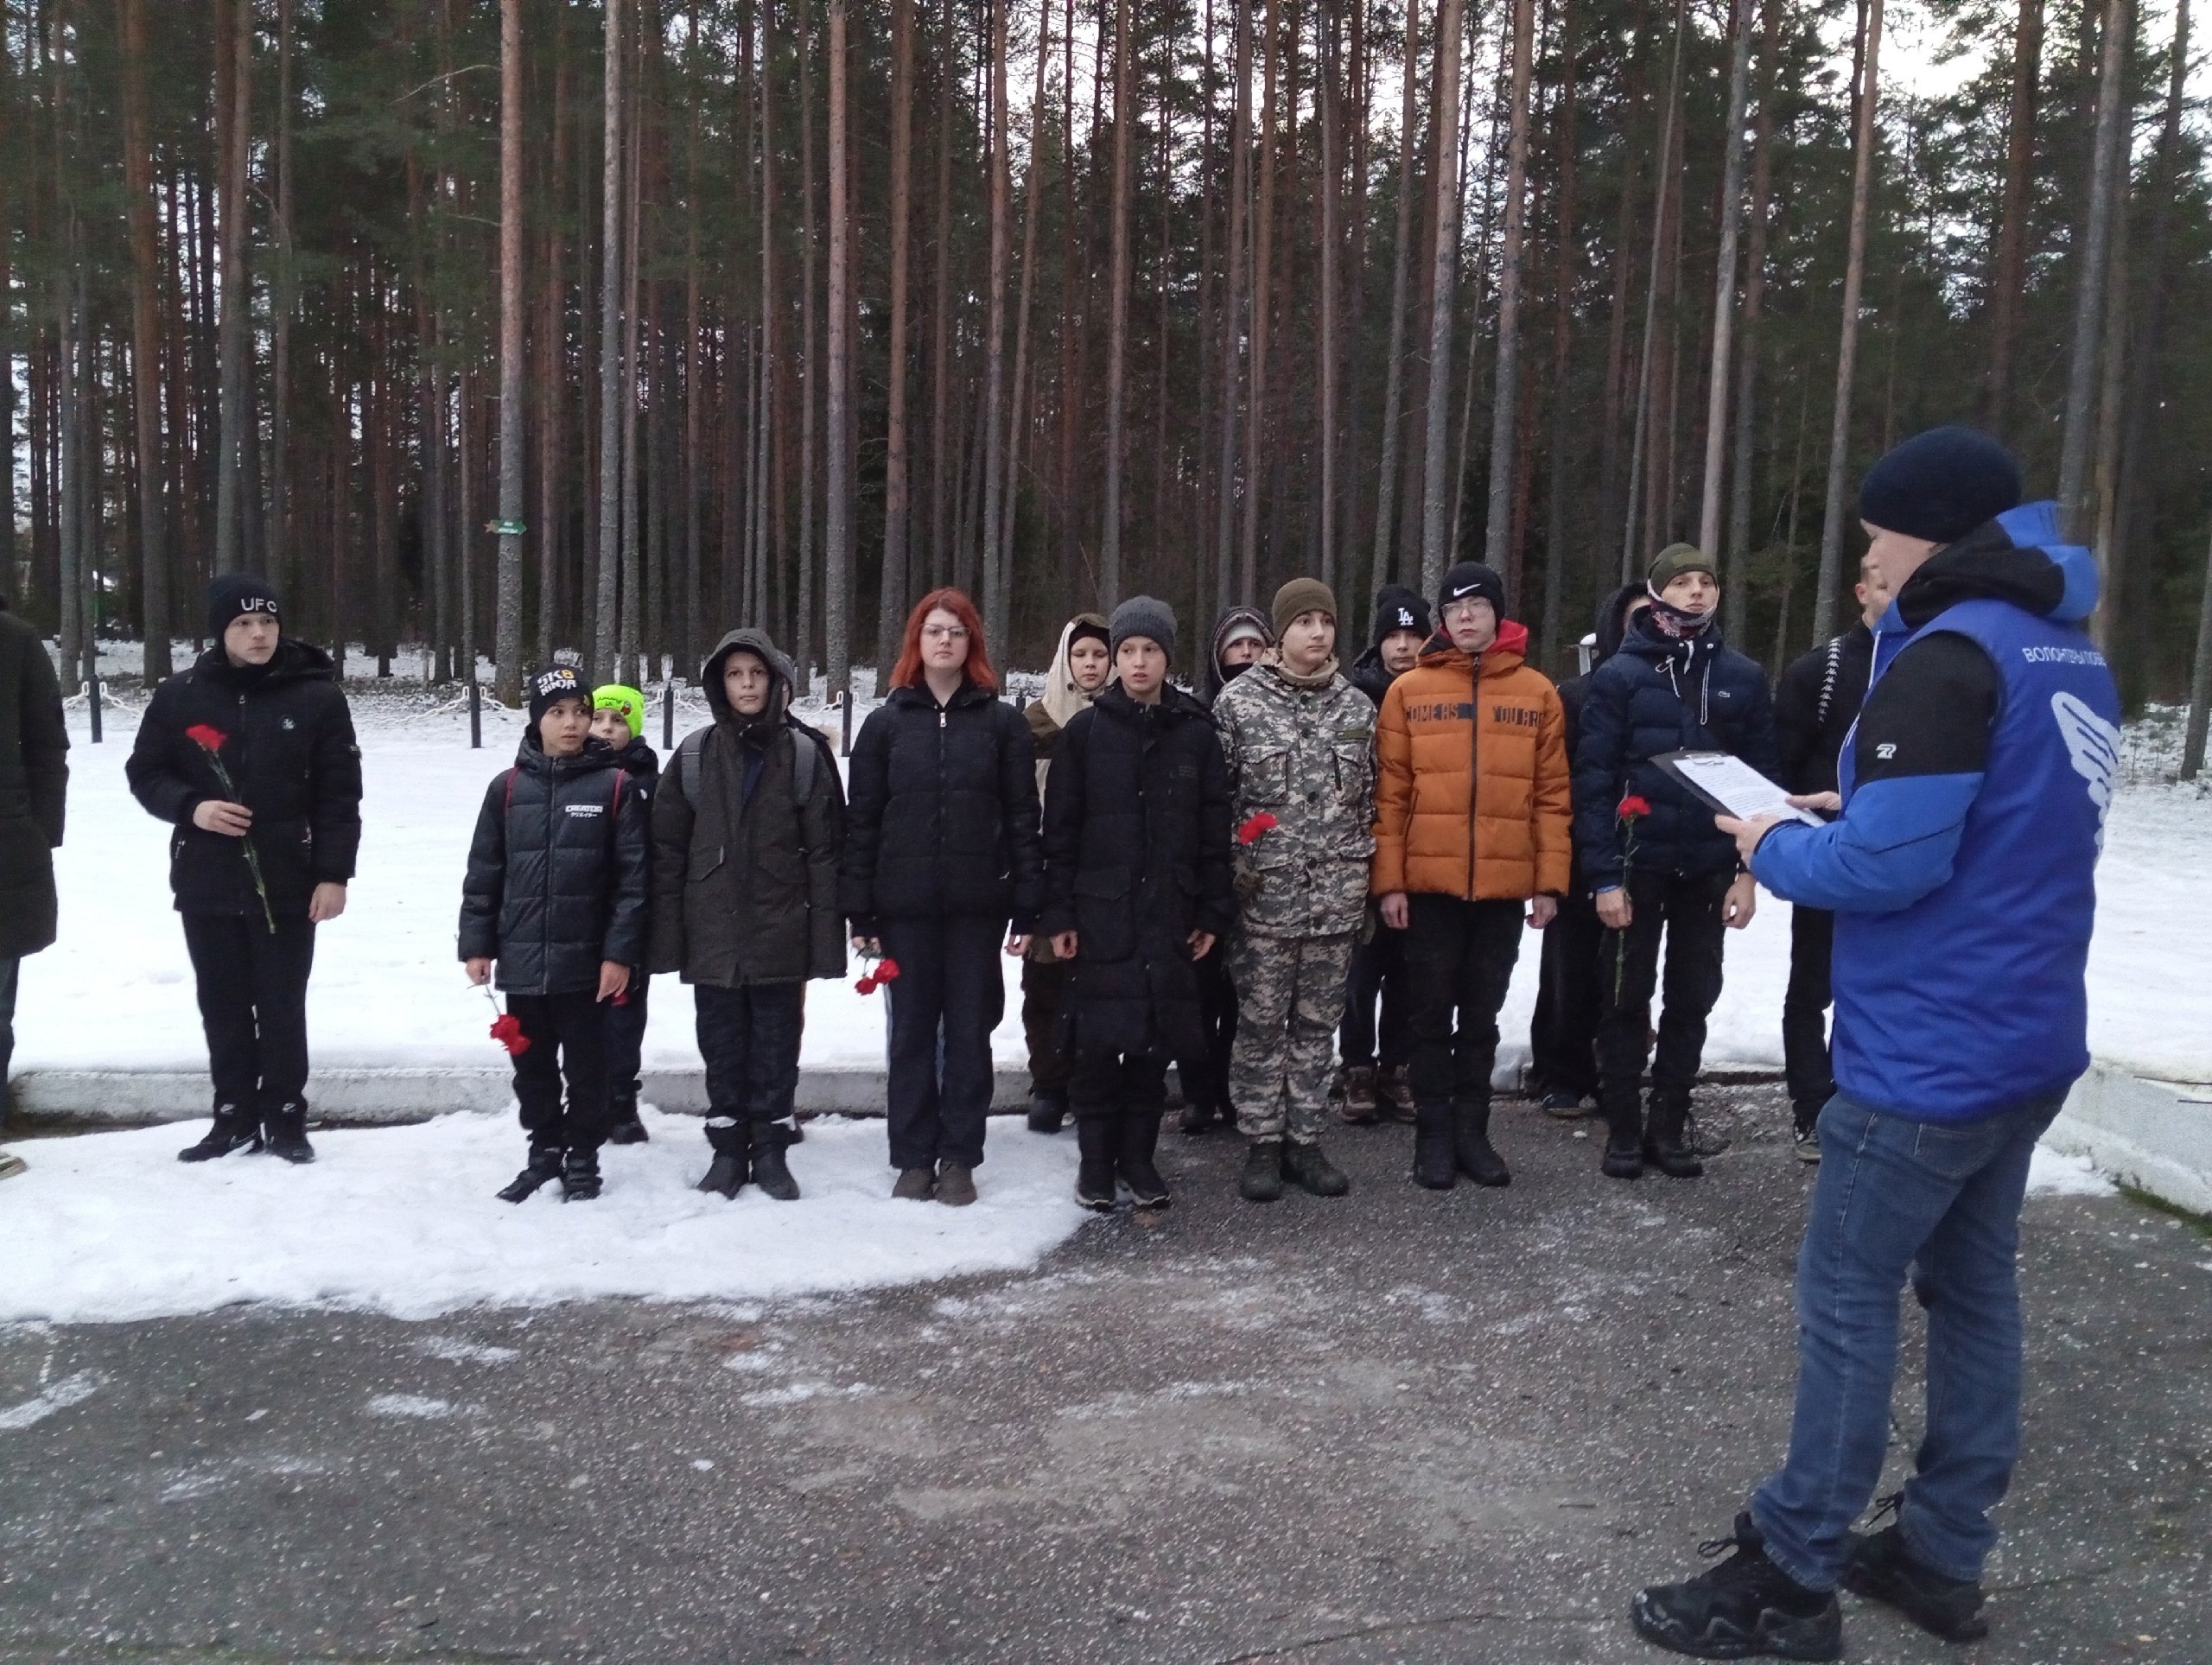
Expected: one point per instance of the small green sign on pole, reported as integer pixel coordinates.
(505, 528)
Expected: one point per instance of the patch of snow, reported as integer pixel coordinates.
(111, 1227)
(412, 1405)
(59, 1396)
(214, 1477)
(2053, 1174)
(800, 1392)
(452, 1348)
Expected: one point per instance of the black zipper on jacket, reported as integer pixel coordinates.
(1474, 758)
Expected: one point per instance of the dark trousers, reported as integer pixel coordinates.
(1117, 1083)
(568, 1039)
(1804, 1013)
(948, 980)
(253, 1005)
(1459, 959)
(1687, 907)
(625, 1038)
(1378, 973)
(748, 1038)
(10, 970)
(1206, 1080)
(1570, 1000)
(1044, 986)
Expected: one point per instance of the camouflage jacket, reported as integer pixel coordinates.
(1302, 751)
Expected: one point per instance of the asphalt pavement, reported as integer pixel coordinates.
(1403, 1425)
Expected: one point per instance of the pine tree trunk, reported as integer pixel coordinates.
(1499, 543)
(145, 357)
(2077, 434)
(942, 449)
(606, 592)
(1394, 378)
(1564, 247)
(810, 370)
(2008, 280)
(1435, 522)
(629, 641)
(507, 650)
(1640, 486)
(892, 584)
(1724, 287)
(553, 373)
(1233, 293)
(1846, 357)
(837, 552)
(280, 322)
(1033, 198)
(1117, 323)
(1736, 565)
(237, 342)
(1330, 22)
(993, 482)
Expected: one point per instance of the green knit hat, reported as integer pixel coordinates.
(1676, 560)
(619, 696)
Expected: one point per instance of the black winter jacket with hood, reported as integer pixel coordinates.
(941, 813)
(288, 744)
(1136, 858)
(1396, 608)
(1655, 695)
(34, 788)
(745, 877)
(556, 871)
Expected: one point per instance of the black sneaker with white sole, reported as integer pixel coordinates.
(1745, 1608)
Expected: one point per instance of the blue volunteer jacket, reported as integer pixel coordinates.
(1962, 872)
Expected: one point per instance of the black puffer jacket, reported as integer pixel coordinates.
(556, 872)
(745, 878)
(1654, 696)
(34, 788)
(288, 743)
(1136, 857)
(941, 813)
(1612, 622)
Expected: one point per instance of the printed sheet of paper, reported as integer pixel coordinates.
(1733, 786)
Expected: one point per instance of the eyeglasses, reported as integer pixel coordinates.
(945, 632)
(1463, 613)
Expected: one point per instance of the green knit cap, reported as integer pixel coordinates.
(618, 697)
(1676, 560)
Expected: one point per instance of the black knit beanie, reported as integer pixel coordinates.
(556, 682)
(1397, 607)
(235, 593)
(1940, 485)
(1472, 578)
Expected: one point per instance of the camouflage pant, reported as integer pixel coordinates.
(1290, 995)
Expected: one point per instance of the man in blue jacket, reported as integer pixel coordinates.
(1961, 873)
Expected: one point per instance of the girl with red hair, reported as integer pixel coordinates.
(941, 860)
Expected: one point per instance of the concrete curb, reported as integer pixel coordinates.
(2154, 1136)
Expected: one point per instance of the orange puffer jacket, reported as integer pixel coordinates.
(1472, 796)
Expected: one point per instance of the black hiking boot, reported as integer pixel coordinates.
(1138, 1131)
(1881, 1568)
(580, 1181)
(234, 1130)
(624, 1128)
(285, 1131)
(1745, 1608)
(1096, 1137)
(1436, 1162)
(1262, 1180)
(1201, 1115)
(1048, 1110)
(1308, 1167)
(1470, 1145)
(770, 1172)
(1623, 1158)
(542, 1168)
(731, 1140)
(1665, 1147)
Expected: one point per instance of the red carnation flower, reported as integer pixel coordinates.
(1631, 807)
(887, 969)
(865, 986)
(206, 735)
(507, 1029)
(1259, 825)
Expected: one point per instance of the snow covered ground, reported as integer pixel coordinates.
(116, 991)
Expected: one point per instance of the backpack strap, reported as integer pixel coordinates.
(806, 758)
(686, 760)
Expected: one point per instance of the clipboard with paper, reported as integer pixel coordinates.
(1731, 786)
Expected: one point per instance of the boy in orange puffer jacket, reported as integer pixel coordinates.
(1473, 807)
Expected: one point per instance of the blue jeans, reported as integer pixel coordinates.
(1940, 1202)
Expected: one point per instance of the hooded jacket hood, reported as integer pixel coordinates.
(781, 676)
(1062, 699)
(294, 661)
(1216, 679)
(2022, 557)
(1612, 621)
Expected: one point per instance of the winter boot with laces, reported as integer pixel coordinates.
(542, 1168)
(1745, 1608)
(1623, 1158)
(285, 1129)
(1436, 1164)
(234, 1130)
(1262, 1180)
(770, 1172)
(1882, 1567)
(1096, 1137)
(1133, 1157)
(1309, 1168)
(580, 1181)
(1470, 1145)
(1361, 1106)
(624, 1127)
(1393, 1096)
(1665, 1146)
(731, 1140)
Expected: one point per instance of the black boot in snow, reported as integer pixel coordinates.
(542, 1168)
(580, 1176)
(234, 1130)
(1048, 1110)
(1309, 1168)
(770, 1172)
(1623, 1141)
(1261, 1181)
(624, 1128)
(1745, 1608)
(1471, 1144)
(732, 1143)
(1138, 1131)
(1436, 1163)
(1664, 1145)
(285, 1130)
(1096, 1137)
